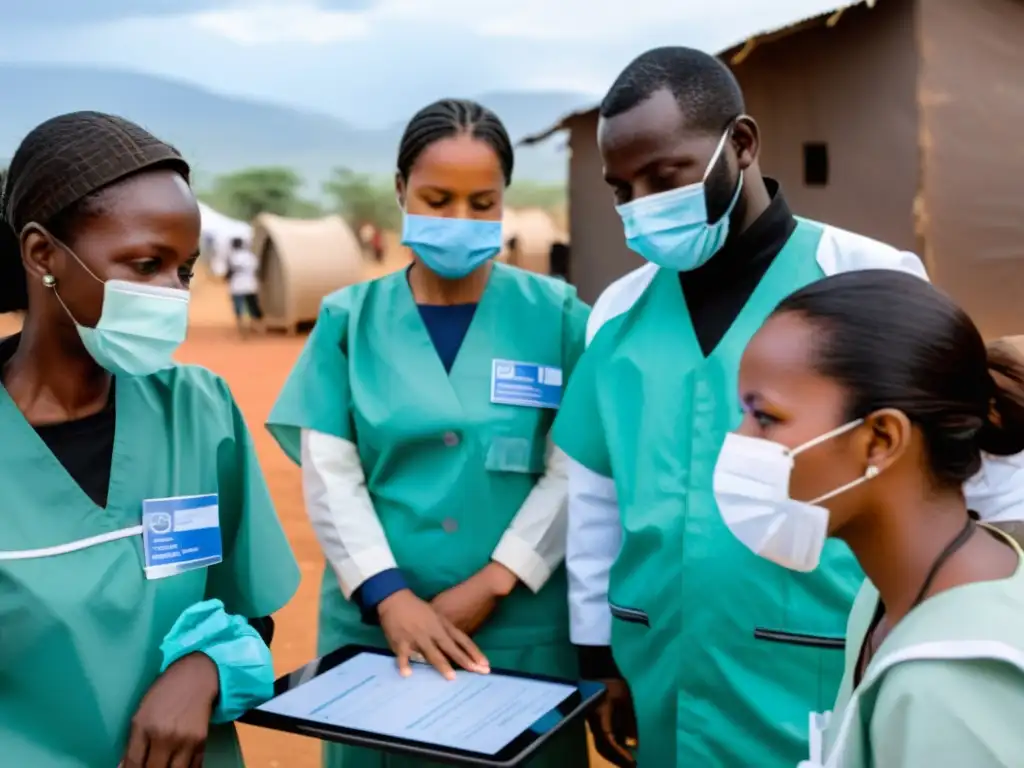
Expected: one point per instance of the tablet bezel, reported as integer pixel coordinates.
(586, 695)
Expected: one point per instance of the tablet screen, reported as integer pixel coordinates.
(477, 713)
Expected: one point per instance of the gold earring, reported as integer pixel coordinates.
(49, 280)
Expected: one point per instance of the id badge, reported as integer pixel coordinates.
(525, 384)
(181, 534)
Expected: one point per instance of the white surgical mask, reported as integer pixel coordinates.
(751, 486)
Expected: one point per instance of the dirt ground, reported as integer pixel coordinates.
(256, 369)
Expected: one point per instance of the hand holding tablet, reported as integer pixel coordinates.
(357, 695)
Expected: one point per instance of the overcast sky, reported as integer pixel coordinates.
(374, 61)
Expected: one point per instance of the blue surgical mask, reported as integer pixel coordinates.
(140, 326)
(451, 248)
(671, 228)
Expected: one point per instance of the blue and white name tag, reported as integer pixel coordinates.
(526, 384)
(181, 534)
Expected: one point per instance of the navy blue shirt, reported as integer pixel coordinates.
(447, 327)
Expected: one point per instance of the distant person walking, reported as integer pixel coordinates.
(372, 240)
(243, 282)
(377, 244)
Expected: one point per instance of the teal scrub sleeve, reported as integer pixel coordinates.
(244, 665)
(574, 332)
(578, 429)
(258, 575)
(316, 395)
(955, 713)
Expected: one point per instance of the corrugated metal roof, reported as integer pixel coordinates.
(735, 54)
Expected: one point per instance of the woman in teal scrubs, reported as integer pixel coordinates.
(140, 548)
(420, 411)
(881, 417)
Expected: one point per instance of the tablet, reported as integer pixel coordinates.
(356, 696)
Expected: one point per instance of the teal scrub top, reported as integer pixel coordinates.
(724, 651)
(80, 632)
(945, 688)
(447, 469)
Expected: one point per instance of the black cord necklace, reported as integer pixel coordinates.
(868, 646)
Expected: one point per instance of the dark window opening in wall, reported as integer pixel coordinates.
(816, 164)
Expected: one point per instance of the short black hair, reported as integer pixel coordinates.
(451, 117)
(237, 243)
(704, 87)
(922, 356)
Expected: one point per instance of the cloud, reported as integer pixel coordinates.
(68, 13)
(299, 22)
(601, 21)
(373, 63)
(582, 22)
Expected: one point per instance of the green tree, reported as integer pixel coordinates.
(245, 194)
(532, 194)
(363, 199)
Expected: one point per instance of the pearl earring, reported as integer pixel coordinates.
(872, 472)
(49, 281)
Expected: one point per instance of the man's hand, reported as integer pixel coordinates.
(412, 626)
(469, 604)
(169, 730)
(613, 725)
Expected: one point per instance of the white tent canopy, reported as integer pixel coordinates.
(220, 230)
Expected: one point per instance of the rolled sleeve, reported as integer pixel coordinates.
(534, 544)
(341, 511)
(592, 546)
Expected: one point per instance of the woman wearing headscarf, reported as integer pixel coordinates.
(140, 548)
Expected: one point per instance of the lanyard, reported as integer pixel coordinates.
(950, 549)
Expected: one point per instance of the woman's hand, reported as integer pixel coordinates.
(170, 728)
(412, 626)
(469, 604)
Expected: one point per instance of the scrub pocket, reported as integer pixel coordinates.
(813, 663)
(631, 639)
(825, 642)
(512, 453)
(631, 615)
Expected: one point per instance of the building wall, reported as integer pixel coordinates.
(853, 87)
(599, 254)
(972, 99)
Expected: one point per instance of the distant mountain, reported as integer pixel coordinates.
(222, 133)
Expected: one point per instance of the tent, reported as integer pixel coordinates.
(218, 231)
(535, 232)
(301, 261)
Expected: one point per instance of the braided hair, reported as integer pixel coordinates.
(452, 117)
(57, 178)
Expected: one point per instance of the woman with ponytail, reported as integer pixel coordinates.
(871, 405)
